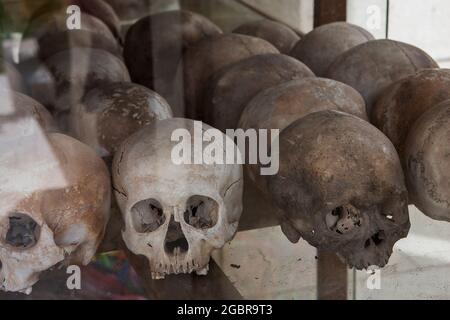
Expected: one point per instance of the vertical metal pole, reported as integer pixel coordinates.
(332, 278)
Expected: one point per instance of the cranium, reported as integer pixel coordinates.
(54, 205)
(372, 66)
(110, 113)
(154, 48)
(341, 187)
(279, 106)
(277, 33)
(403, 102)
(427, 162)
(320, 47)
(175, 214)
(78, 70)
(210, 55)
(53, 35)
(231, 88)
(103, 11)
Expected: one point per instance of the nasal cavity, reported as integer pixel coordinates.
(23, 231)
(175, 242)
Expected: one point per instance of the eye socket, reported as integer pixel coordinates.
(147, 216)
(201, 212)
(23, 232)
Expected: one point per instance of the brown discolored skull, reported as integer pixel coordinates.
(208, 56)
(341, 187)
(54, 205)
(53, 35)
(110, 113)
(320, 47)
(103, 11)
(279, 106)
(278, 34)
(78, 70)
(231, 88)
(427, 161)
(372, 66)
(403, 102)
(154, 47)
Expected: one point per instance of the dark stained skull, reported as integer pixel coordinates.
(209, 56)
(230, 89)
(103, 11)
(278, 34)
(53, 36)
(372, 66)
(154, 47)
(341, 187)
(112, 112)
(403, 102)
(279, 106)
(427, 160)
(320, 47)
(78, 70)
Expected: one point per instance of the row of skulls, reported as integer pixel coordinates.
(341, 184)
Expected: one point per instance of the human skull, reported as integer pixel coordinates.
(230, 89)
(277, 33)
(320, 47)
(175, 214)
(111, 112)
(103, 11)
(403, 102)
(78, 70)
(53, 36)
(210, 55)
(279, 106)
(427, 162)
(341, 187)
(154, 48)
(372, 66)
(54, 205)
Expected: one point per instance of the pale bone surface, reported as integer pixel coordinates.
(175, 215)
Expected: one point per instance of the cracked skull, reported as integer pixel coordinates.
(341, 188)
(54, 206)
(175, 214)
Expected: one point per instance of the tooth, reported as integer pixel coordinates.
(203, 272)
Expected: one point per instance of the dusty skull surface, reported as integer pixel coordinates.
(341, 187)
(103, 11)
(372, 66)
(110, 113)
(278, 34)
(427, 161)
(403, 102)
(54, 205)
(154, 48)
(53, 35)
(320, 47)
(231, 88)
(78, 70)
(279, 106)
(209, 56)
(175, 214)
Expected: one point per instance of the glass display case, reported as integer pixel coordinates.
(345, 98)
